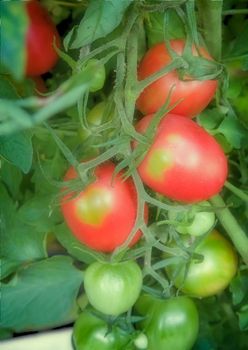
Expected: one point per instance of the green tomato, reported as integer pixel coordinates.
(113, 288)
(169, 324)
(194, 223)
(98, 71)
(211, 275)
(92, 333)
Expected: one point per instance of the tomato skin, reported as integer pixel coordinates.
(41, 55)
(184, 162)
(213, 274)
(196, 94)
(104, 213)
(92, 333)
(113, 288)
(169, 324)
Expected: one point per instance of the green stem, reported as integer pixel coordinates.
(210, 13)
(235, 12)
(230, 224)
(239, 193)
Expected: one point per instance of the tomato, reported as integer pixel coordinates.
(113, 288)
(168, 324)
(193, 222)
(41, 55)
(184, 162)
(99, 76)
(210, 276)
(103, 214)
(97, 116)
(196, 94)
(92, 333)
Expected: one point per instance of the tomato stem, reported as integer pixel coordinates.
(233, 229)
(239, 193)
(235, 12)
(211, 17)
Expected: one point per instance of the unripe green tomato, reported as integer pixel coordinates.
(202, 221)
(168, 324)
(211, 275)
(113, 288)
(98, 70)
(93, 333)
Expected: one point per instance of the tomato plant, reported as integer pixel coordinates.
(183, 91)
(113, 288)
(211, 275)
(103, 214)
(194, 222)
(184, 162)
(112, 138)
(41, 36)
(169, 323)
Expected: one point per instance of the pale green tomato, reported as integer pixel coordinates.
(113, 288)
(194, 223)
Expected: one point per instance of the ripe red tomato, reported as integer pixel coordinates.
(196, 94)
(41, 55)
(184, 162)
(103, 214)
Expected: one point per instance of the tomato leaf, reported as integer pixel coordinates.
(38, 213)
(209, 118)
(101, 17)
(25, 301)
(12, 177)
(19, 243)
(12, 54)
(239, 47)
(233, 131)
(7, 89)
(243, 318)
(18, 150)
(75, 247)
(239, 288)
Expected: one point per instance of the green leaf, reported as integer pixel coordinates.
(41, 295)
(239, 287)
(156, 28)
(38, 212)
(233, 131)
(18, 150)
(7, 88)
(75, 247)
(243, 318)
(240, 45)
(13, 28)
(12, 177)
(101, 18)
(19, 242)
(210, 118)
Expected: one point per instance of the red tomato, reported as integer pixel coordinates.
(41, 55)
(184, 162)
(104, 213)
(196, 94)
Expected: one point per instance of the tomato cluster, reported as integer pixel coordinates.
(182, 162)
